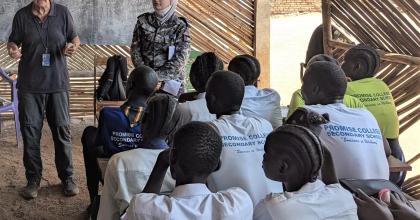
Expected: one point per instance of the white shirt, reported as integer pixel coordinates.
(191, 202)
(354, 139)
(197, 110)
(264, 103)
(312, 202)
(126, 175)
(242, 154)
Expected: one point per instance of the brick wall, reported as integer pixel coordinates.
(295, 6)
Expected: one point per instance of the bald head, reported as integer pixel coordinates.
(323, 83)
(224, 93)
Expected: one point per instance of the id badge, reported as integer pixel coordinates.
(46, 59)
(171, 52)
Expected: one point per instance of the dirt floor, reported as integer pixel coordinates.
(51, 203)
(289, 38)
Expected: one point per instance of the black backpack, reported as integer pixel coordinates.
(113, 82)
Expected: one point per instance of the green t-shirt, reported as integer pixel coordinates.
(297, 101)
(377, 98)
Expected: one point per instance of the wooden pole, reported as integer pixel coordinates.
(391, 57)
(262, 40)
(327, 28)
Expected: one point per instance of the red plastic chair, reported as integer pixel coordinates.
(11, 105)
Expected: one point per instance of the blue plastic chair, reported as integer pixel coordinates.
(11, 105)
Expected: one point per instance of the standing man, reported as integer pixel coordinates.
(161, 40)
(44, 30)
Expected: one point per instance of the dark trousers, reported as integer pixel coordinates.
(90, 154)
(396, 151)
(33, 107)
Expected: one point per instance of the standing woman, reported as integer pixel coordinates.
(46, 34)
(161, 40)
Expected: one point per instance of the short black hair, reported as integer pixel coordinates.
(301, 144)
(367, 59)
(228, 89)
(160, 116)
(202, 68)
(198, 147)
(322, 57)
(247, 66)
(330, 78)
(142, 80)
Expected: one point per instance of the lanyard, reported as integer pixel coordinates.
(37, 25)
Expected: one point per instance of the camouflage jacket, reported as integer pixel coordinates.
(151, 44)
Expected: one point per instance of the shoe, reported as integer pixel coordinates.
(70, 188)
(30, 191)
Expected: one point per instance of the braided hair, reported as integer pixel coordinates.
(198, 148)
(202, 68)
(301, 145)
(160, 117)
(365, 58)
(247, 66)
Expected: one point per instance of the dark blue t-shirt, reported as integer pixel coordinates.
(115, 133)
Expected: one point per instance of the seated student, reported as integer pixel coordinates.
(294, 156)
(297, 99)
(360, 65)
(194, 156)
(119, 128)
(201, 70)
(264, 103)
(128, 171)
(352, 136)
(243, 139)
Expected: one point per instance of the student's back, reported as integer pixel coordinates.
(355, 142)
(192, 201)
(195, 154)
(361, 63)
(262, 103)
(314, 201)
(352, 135)
(242, 154)
(127, 172)
(243, 139)
(377, 98)
(291, 149)
(115, 133)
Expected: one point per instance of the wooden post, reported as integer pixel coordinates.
(327, 28)
(262, 40)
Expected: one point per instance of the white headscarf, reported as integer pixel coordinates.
(165, 14)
